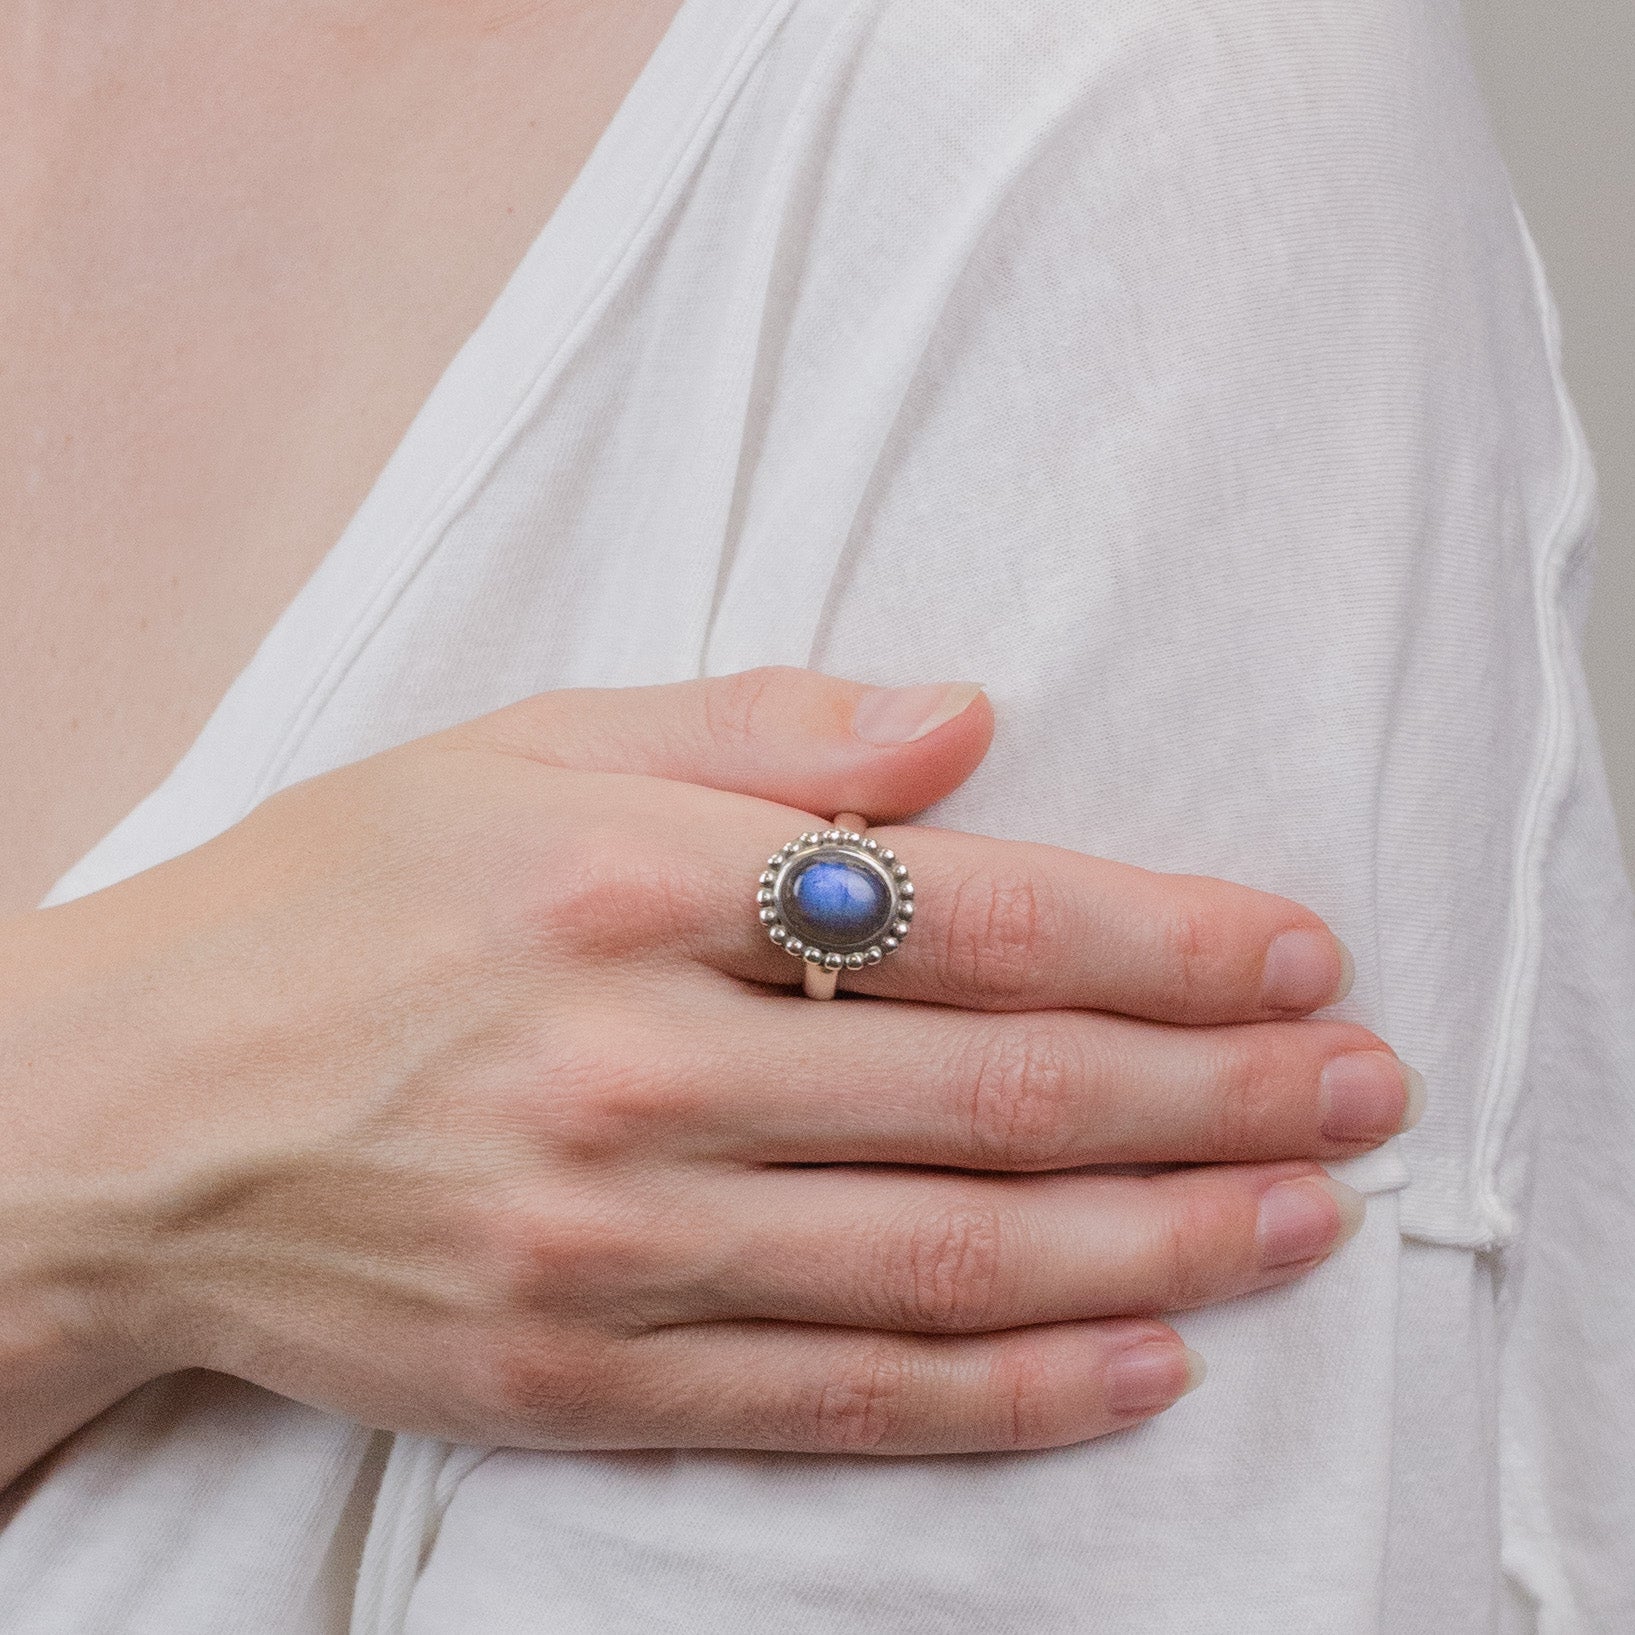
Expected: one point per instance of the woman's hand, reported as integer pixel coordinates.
(459, 1090)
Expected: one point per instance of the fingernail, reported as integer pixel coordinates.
(899, 715)
(1416, 1096)
(1368, 1094)
(1348, 972)
(1151, 1375)
(1304, 969)
(1300, 1220)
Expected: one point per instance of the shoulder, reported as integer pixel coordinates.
(934, 78)
(1355, 124)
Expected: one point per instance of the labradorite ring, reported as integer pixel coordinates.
(837, 900)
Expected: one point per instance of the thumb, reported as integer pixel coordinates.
(794, 736)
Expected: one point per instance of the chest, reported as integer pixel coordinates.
(236, 260)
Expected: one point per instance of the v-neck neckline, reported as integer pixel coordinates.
(566, 278)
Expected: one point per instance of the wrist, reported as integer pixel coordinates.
(69, 1344)
(65, 1351)
(69, 1272)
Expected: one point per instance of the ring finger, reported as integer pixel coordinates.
(938, 1253)
(1009, 925)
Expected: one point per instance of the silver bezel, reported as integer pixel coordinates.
(848, 843)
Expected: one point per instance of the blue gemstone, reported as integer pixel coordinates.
(839, 901)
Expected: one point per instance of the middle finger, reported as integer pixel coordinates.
(887, 1081)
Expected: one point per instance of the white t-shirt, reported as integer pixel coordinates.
(1181, 369)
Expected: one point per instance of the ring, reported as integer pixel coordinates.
(835, 899)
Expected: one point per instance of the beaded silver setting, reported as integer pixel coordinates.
(782, 919)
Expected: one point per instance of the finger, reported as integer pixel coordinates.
(804, 739)
(1013, 925)
(929, 1252)
(882, 1081)
(805, 1389)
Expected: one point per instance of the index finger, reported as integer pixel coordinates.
(1015, 925)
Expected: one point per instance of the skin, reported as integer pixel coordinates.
(238, 246)
(407, 1096)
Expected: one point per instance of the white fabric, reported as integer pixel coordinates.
(1181, 369)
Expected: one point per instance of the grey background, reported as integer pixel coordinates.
(1560, 82)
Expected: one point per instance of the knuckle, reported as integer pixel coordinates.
(996, 931)
(1187, 1255)
(547, 1387)
(738, 708)
(604, 1091)
(1249, 1097)
(559, 1259)
(1027, 1393)
(1023, 1089)
(589, 896)
(860, 1408)
(1194, 942)
(946, 1273)
(569, 1251)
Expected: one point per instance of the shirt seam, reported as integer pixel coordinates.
(1554, 764)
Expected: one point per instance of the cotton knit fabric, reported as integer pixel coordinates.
(1182, 370)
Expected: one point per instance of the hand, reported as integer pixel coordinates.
(459, 1091)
